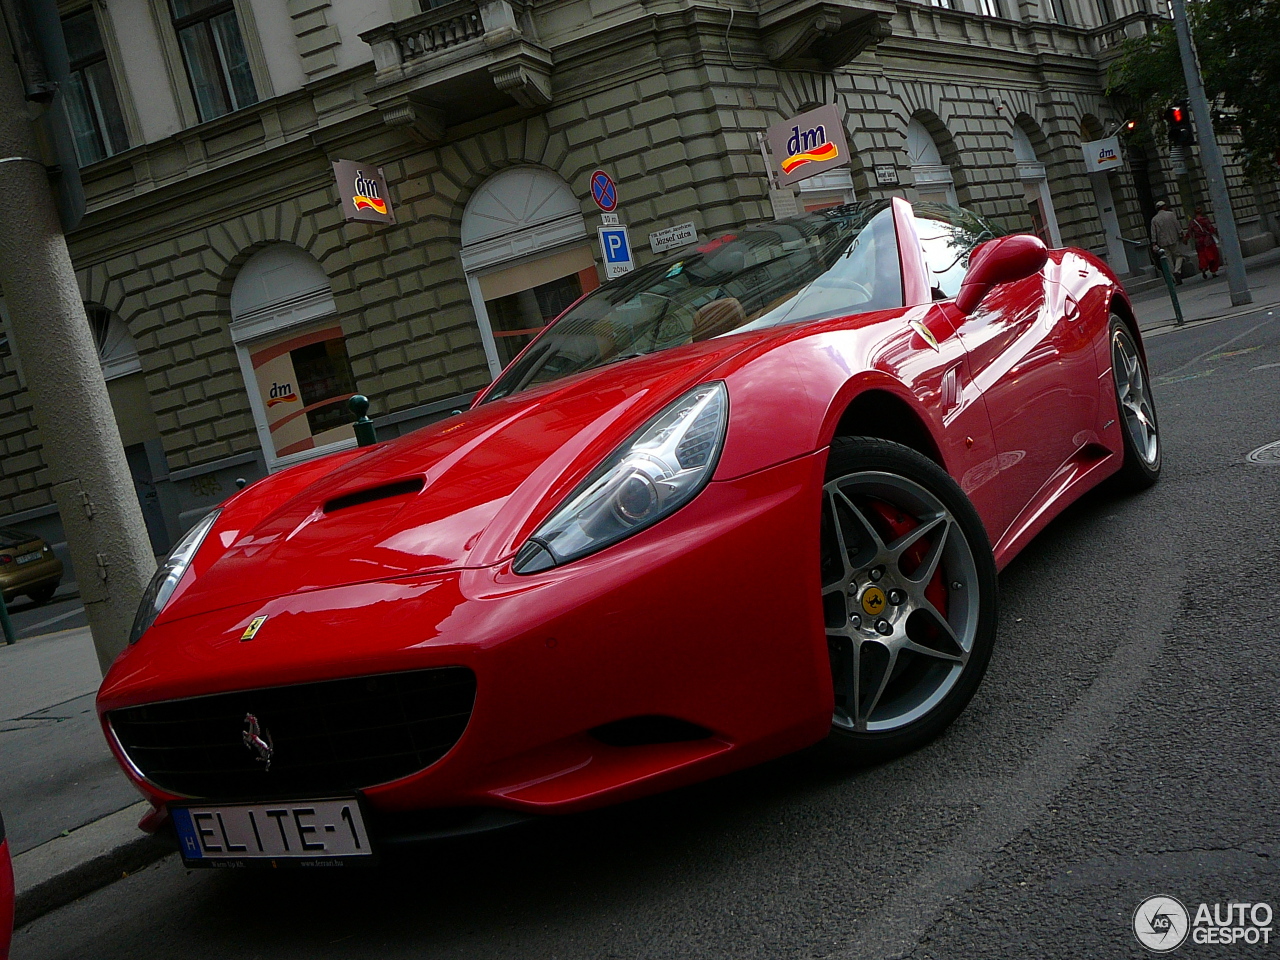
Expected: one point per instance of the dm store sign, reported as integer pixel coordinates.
(809, 144)
(364, 192)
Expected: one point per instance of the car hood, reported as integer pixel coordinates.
(465, 492)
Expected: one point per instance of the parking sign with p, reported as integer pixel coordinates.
(617, 252)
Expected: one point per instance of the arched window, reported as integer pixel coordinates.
(135, 417)
(1035, 184)
(116, 350)
(293, 355)
(526, 256)
(933, 178)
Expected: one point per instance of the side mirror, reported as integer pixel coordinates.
(998, 261)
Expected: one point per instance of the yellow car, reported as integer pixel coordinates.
(27, 566)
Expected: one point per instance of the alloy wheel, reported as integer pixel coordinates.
(1134, 396)
(900, 599)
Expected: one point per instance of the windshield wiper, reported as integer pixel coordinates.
(617, 358)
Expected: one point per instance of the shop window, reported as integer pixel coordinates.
(525, 251)
(214, 52)
(521, 300)
(293, 355)
(304, 382)
(93, 109)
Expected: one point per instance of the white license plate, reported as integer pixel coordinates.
(28, 557)
(298, 830)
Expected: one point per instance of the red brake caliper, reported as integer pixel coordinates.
(897, 524)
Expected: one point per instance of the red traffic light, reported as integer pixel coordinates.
(1181, 133)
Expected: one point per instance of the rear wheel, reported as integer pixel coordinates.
(1138, 425)
(43, 595)
(908, 594)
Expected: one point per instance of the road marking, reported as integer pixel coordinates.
(45, 623)
(1212, 350)
(1234, 353)
(1165, 381)
(1266, 366)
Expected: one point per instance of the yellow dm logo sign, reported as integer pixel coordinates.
(873, 601)
(256, 623)
(366, 194)
(808, 146)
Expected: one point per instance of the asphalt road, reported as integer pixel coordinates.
(1124, 744)
(63, 612)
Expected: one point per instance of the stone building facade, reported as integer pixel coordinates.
(217, 262)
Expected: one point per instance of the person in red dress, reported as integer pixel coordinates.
(1202, 230)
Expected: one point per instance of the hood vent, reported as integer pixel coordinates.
(386, 491)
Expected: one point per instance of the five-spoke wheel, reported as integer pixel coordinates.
(1139, 428)
(908, 594)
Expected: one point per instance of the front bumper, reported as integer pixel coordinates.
(711, 618)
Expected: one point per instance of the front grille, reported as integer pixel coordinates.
(331, 737)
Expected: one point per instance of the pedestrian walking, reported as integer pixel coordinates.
(1166, 237)
(1204, 233)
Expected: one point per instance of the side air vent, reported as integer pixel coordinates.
(641, 731)
(386, 491)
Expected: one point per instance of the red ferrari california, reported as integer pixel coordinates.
(739, 501)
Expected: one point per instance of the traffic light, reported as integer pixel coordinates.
(1178, 117)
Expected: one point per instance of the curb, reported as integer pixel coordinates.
(66, 868)
(1169, 326)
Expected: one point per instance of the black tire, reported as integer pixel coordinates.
(1135, 407)
(43, 595)
(913, 681)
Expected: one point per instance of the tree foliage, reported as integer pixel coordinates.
(1239, 46)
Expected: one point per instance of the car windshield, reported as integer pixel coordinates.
(836, 262)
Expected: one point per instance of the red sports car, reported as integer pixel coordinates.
(739, 501)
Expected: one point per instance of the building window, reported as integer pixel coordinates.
(215, 55)
(293, 355)
(1106, 10)
(944, 4)
(93, 108)
(304, 382)
(990, 8)
(526, 257)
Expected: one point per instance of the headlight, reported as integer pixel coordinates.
(162, 585)
(649, 477)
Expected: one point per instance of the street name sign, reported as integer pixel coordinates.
(672, 237)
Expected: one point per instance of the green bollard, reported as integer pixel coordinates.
(366, 432)
(1168, 282)
(9, 638)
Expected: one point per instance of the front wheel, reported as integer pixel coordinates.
(1138, 425)
(908, 595)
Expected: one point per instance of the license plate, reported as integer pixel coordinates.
(300, 832)
(28, 557)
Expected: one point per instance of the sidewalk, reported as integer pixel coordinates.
(59, 784)
(1209, 299)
